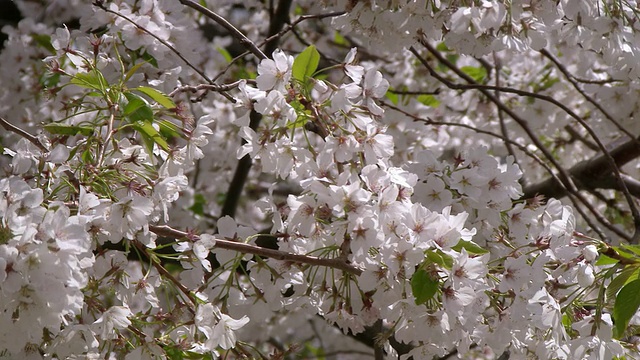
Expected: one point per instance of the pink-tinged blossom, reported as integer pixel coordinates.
(201, 249)
(275, 74)
(128, 216)
(377, 145)
(218, 328)
(115, 318)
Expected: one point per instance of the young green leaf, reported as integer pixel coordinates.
(90, 80)
(393, 97)
(428, 100)
(627, 275)
(605, 260)
(439, 258)
(227, 56)
(471, 247)
(305, 64)
(44, 41)
(476, 73)
(157, 96)
(148, 132)
(133, 70)
(626, 305)
(137, 108)
(71, 130)
(423, 286)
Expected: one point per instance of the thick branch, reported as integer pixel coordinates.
(244, 165)
(595, 173)
(244, 248)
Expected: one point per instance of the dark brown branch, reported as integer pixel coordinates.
(594, 173)
(244, 165)
(14, 129)
(230, 28)
(563, 174)
(244, 248)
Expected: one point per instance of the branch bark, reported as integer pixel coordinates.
(14, 129)
(335, 263)
(595, 173)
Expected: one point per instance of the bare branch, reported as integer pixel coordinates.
(227, 25)
(563, 174)
(14, 129)
(594, 173)
(336, 263)
(100, 5)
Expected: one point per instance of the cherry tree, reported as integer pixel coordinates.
(348, 179)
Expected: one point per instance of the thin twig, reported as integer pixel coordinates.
(418, 92)
(100, 4)
(553, 181)
(14, 129)
(503, 124)
(206, 87)
(623, 186)
(227, 25)
(563, 174)
(158, 266)
(278, 35)
(244, 248)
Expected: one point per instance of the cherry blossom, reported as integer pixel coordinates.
(451, 177)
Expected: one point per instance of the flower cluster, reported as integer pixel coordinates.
(387, 203)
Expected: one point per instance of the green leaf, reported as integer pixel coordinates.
(627, 275)
(471, 247)
(199, 201)
(150, 59)
(423, 286)
(306, 63)
(428, 100)
(442, 47)
(133, 70)
(44, 41)
(87, 157)
(71, 130)
(157, 96)
(439, 258)
(90, 80)
(393, 97)
(339, 39)
(632, 248)
(625, 307)
(50, 80)
(225, 54)
(137, 108)
(168, 129)
(478, 74)
(605, 260)
(150, 136)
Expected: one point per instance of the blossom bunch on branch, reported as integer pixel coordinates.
(172, 190)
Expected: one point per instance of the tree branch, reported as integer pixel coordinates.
(244, 165)
(563, 174)
(244, 248)
(14, 129)
(594, 173)
(227, 25)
